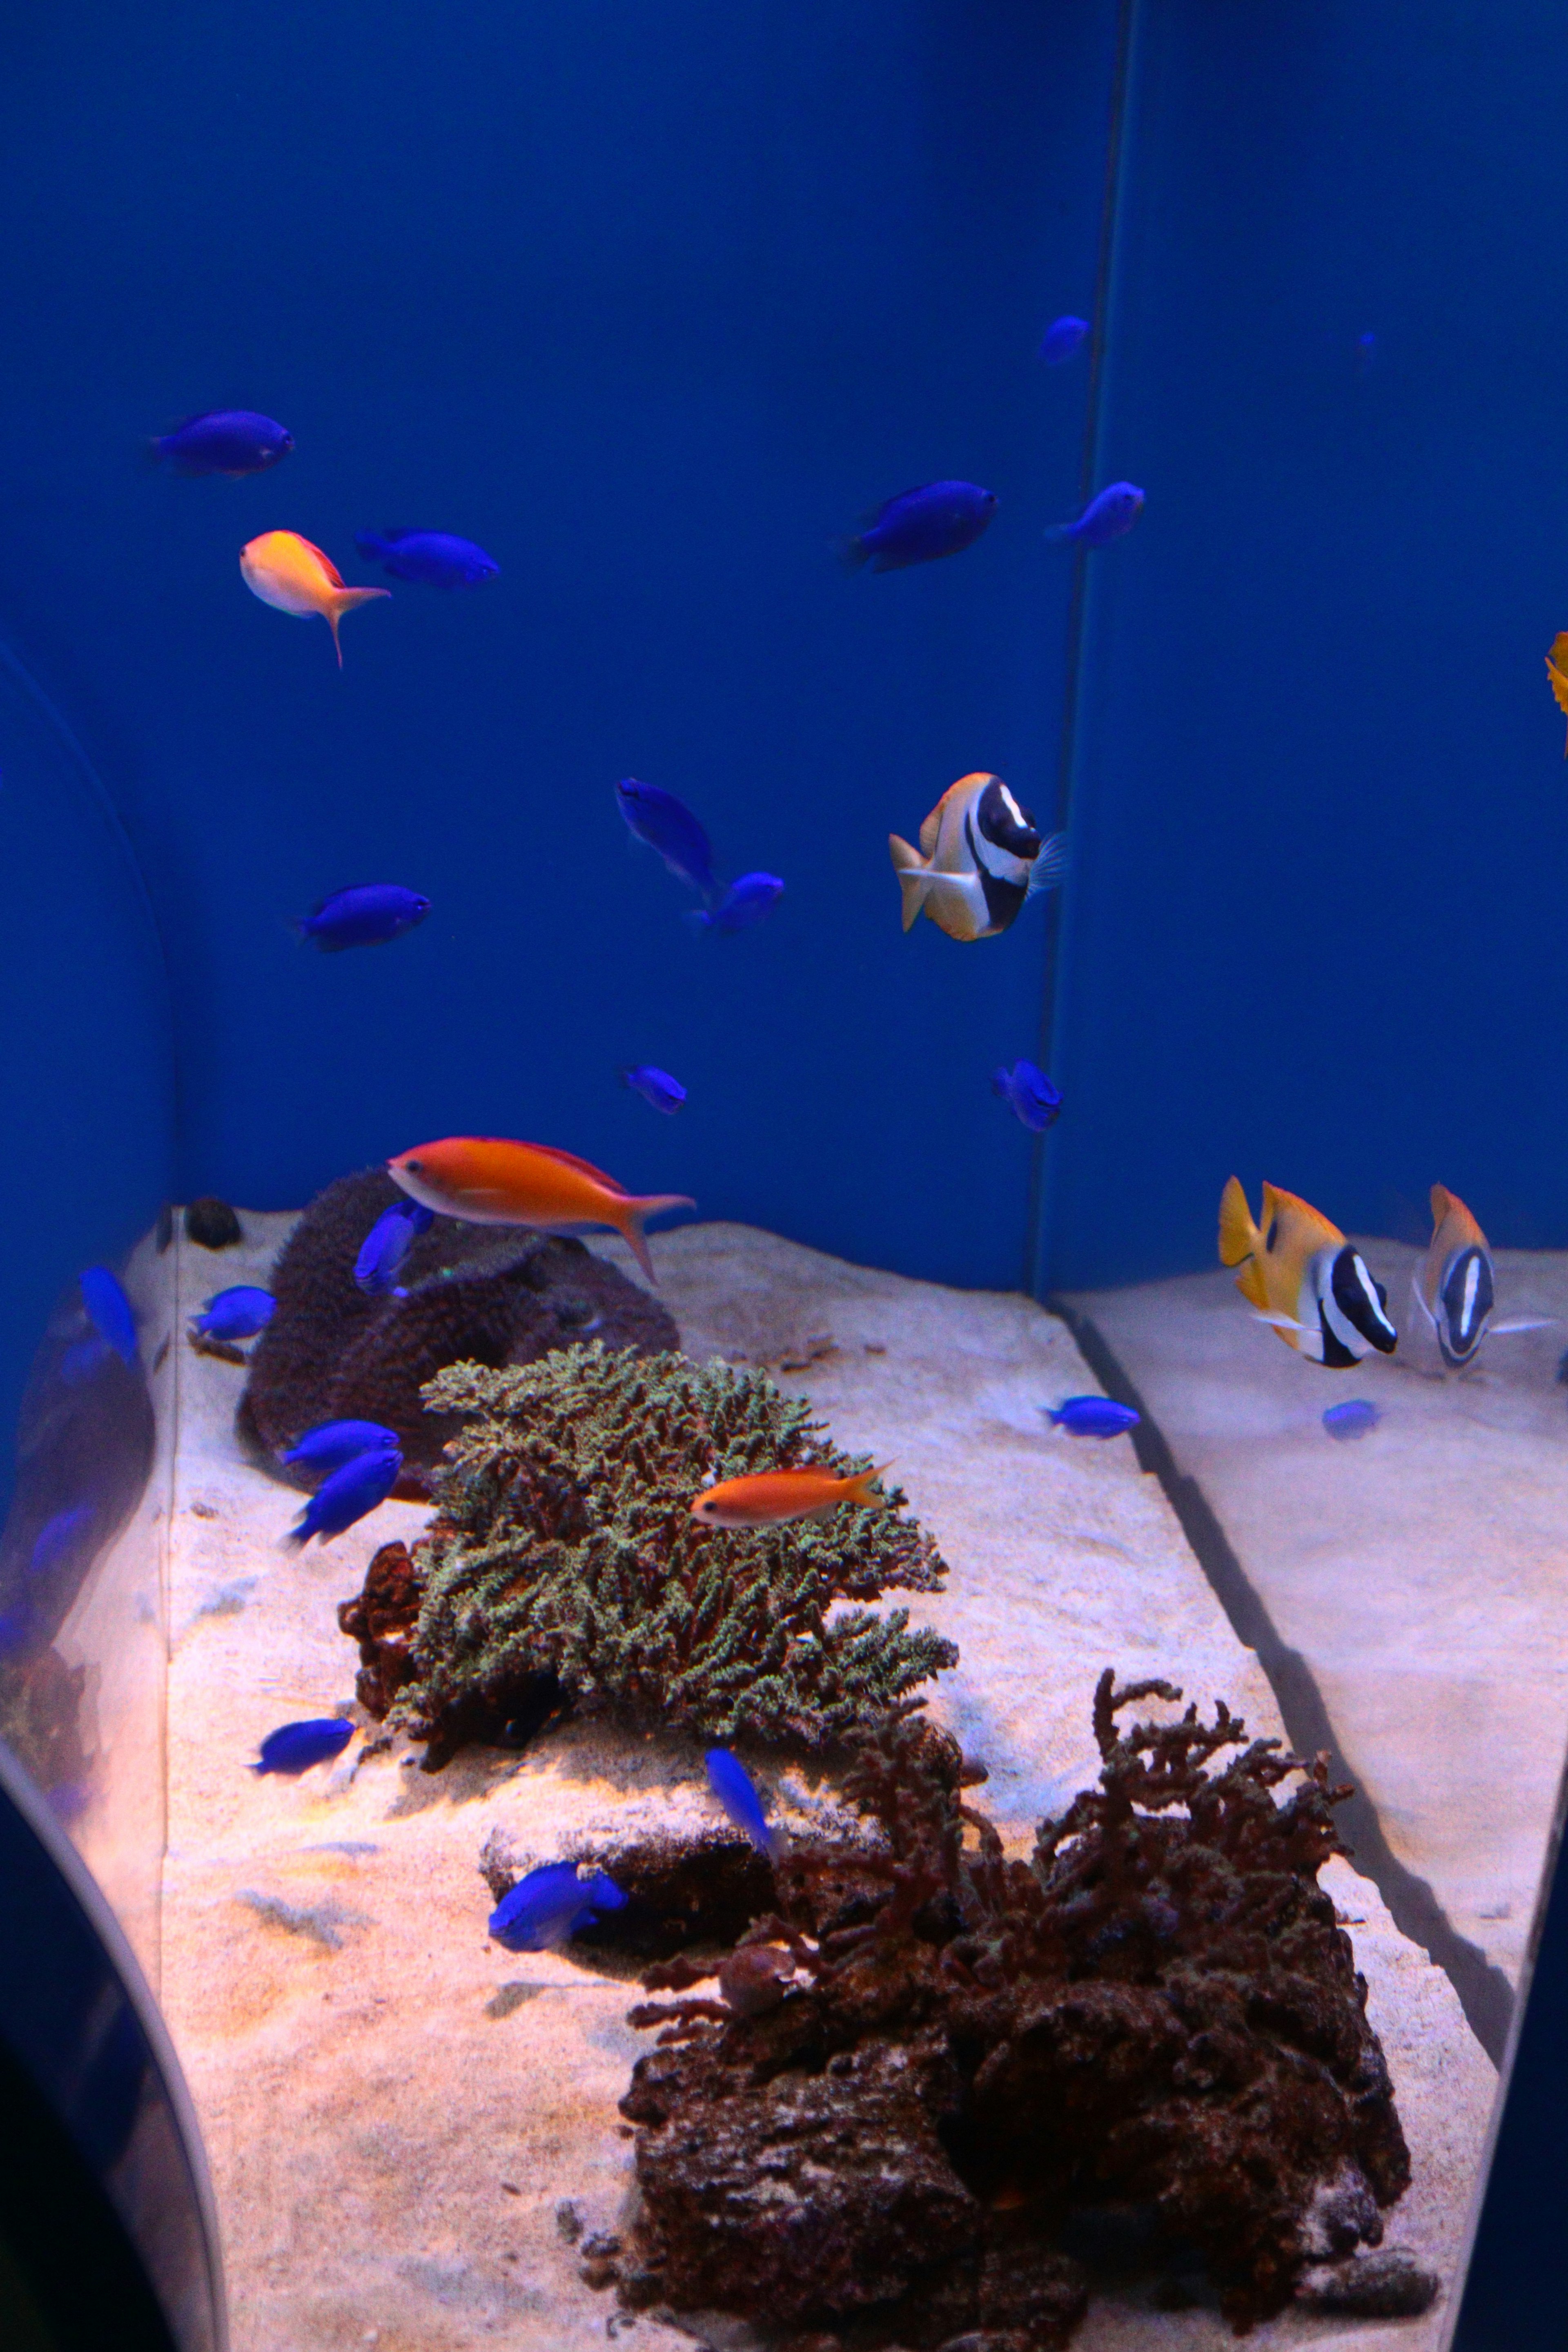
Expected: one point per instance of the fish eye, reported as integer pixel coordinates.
(414, 1167)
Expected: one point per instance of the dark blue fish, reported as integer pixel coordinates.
(238, 1313)
(655, 1086)
(1114, 510)
(736, 1792)
(435, 559)
(348, 1495)
(1351, 1419)
(1061, 339)
(232, 441)
(295, 1747)
(109, 1309)
(1092, 1416)
(333, 1443)
(745, 902)
(669, 827)
(388, 1244)
(550, 1905)
(1029, 1094)
(919, 526)
(59, 1537)
(364, 916)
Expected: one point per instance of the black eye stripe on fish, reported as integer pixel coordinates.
(1353, 1305)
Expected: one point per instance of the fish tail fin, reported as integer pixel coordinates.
(635, 1213)
(861, 1485)
(344, 600)
(1060, 534)
(852, 552)
(914, 875)
(372, 545)
(1238, 1236)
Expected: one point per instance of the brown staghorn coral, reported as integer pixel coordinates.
(486, 1294)
(563, 1546)
(1156, 2010)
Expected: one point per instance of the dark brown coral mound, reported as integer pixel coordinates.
(1156, 2010)
(492, 1295)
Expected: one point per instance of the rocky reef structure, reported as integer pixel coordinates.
(931, 2061)
(493, 1295)
(563, 1563)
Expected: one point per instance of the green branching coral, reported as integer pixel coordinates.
(563, 1546)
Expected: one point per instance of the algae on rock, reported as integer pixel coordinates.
(563, 1546)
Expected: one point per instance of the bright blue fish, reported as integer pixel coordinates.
(107, 1304)
(59, 1537)
(388, 1244)
(655, 1086)
(1106, 517)
(550, 1905)
(1351, 1419)
(293, 1748)
(1092, 1416)
(919, 526)
(232, 441)
(1029, 1094)
(435, 559)
(236, 1314)
(332, 1444)
(1061, 339)
(745, 902)
(669, 827)
(736, 1792)
(348, 1495)
(364, 916)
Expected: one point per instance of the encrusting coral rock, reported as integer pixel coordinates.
(563, 1546)
(485, 1294)
(1157, 2011)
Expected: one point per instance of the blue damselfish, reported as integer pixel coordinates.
(388, 1244)
(434, 559)
(1351, 1419)
(348, 1495)
(236, 1314)
(1092, 1416)
(109, 1309)
(919, 526)
(655, 1086)
(1029, 1094)
(295, 1747)
(667, 826)
(745, 902)
(365, 916)
(232, 441)
(333, 1443)
(550, 1905)
(1106, 517)
(736, 1792)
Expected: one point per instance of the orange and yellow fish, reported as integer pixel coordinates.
(1300, 1275)
(769, 1498)
(486, 1181)
(1557, 675)
(290, 574)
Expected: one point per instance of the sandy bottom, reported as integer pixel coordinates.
(394, 2107)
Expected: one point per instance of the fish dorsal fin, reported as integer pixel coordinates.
(322, 558)
(1454, 1221)
(1316, 1230)
(583, 1167)
(1441, 1196)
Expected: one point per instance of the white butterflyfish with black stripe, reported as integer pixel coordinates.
(981, 860)
(1455, 1285)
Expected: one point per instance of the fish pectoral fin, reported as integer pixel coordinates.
(1048, 867)
(1523, 1323)
(1417, 1293)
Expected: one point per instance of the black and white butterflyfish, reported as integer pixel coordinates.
(1303, 1278)
(1455, 1285)
(1352, 1309)
(980, 860)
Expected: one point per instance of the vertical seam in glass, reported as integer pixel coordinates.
(1038, 1277)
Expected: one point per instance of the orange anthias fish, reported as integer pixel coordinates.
(772, 1496)
(285, 571)
(486, 1180)
(1557, 675)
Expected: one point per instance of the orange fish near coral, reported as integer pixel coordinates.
(1557, 675)
(771, 1498)
(486, 1181)
(287, 572)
